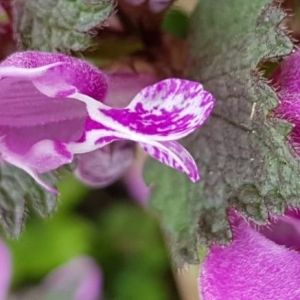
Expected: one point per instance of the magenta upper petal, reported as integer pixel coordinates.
(83, 76)
(40, 114)
(251, 267)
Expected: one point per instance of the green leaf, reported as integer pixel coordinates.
(242, 152)
(176, 22)
(17, 191)
(59, 25)
(169, 199)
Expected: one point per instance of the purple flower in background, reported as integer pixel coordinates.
(134, 182)
(287, 83)
(80, 278)
(102, 167)
(54, 109)
(5, 270)
(260, 263)
(155, 5)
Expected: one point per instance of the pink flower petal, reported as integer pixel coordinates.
(157, 116)
(80, 276)
(175, 156)
(41, 115)
(284, 230)
(104, 166)
(74, 72)
(158, 6)
(286, 80)
(252, 267)
(5, 270)
(124, 86)
(166, 111)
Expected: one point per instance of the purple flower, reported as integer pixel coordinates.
(260, 263)
(54, 109)
(133, 179)
(286, 80)
(80, 277)
(5, 270)
(103, 166)
(155, 5)
(41, 112)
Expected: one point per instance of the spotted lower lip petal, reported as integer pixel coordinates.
(175, 156)
(157, 116)
(166, 111)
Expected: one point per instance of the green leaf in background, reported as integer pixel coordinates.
(17, 191)
(59, 25)
(169, 200)
(47, 244)
(242, 152)
(177, 23)
(132, 255)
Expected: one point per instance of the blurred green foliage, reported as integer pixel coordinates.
(177, 23)
(45, 244)
(123, 238)
(132, 240)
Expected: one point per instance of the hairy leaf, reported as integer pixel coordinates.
(242, 152)
(17, 191)
(59, 25)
